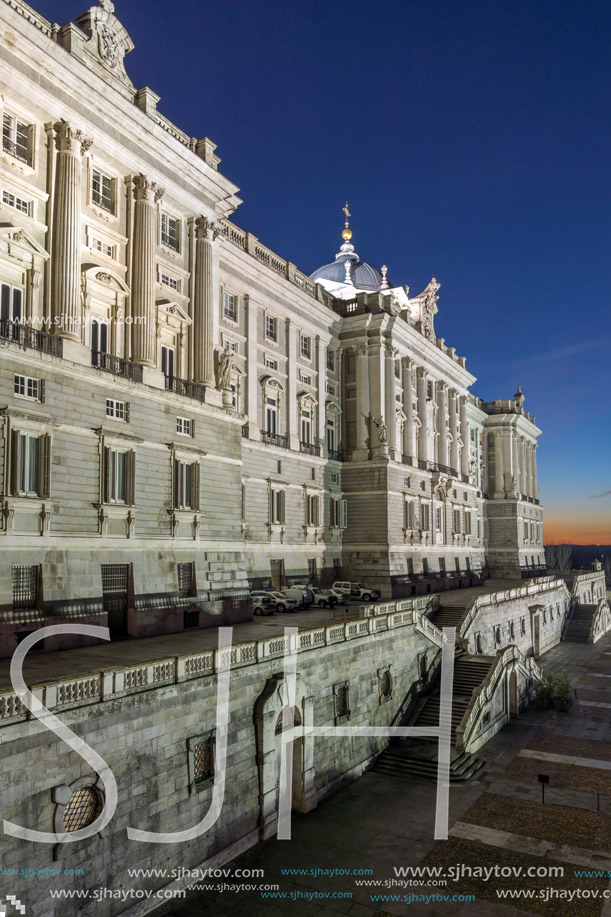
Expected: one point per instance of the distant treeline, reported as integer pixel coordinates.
(566, 557)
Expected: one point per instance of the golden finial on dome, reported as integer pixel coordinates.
(347, 232)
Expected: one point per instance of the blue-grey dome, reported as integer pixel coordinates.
(363, 276)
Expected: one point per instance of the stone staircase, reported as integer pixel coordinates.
(578, 630)
(469, 673)
(419, 759)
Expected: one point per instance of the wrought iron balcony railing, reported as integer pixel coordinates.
(310, 448)
(109, 363)
(27, 336)
(275, 439)
(335, 455)
(194, 390)
(407, 459)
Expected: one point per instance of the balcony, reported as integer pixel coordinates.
(245, 431)
(406, 459)
(275, 439)
(183, 387)
(465, 478)
(423, 464)
(335, 455)
(309, 448)
(27, 336)
(109, 363)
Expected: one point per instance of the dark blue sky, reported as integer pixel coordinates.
(472, 142)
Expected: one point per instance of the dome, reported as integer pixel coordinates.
(361, 275)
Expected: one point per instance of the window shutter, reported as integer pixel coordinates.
(31, 138)
(343, 504)
(174, 482)
(130, 478)
(15, 461)
(44, 467)
(195, 486)
(270, 509)
(282, 506)
(41, 390)
(106, 475)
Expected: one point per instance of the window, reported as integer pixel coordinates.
(19, 203)
(407, 482)
(271, 363)
(331, 388)
(468, 563)
(457, 520)
(342, 701)
(229, 307)
(99, 336)
(385, 684)
(26, 387)
(83, 808)
(312, 503)
(334, 477)
(442, 565)
(186, 485)
(98, 245)
(497, 634)
(277, 507)
(184, 426)
(305, 346)
(397, 369)
(429, 389)
(201, 759)
(232, 345)
(409, 514)
(312, 570)
(306, 427)
(11, 303)
(185, 579)
(169, 231)
(410, 566)
(170, 282)
(305, 378)
(425, 566)
(457, 564)
(271, 416)
(467, 523)
(118, 410)
(331, 360)
(16, 138)
(438, 518)
(25, 585)
(425, 521)
(338, 513)
(271, 328)
(167, 361)
(31, 462)
(331, 435)
(522, 626)
(102, 191)
(119, 476)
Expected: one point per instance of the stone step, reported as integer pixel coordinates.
(401, 764)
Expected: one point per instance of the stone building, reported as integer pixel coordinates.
(183, 412)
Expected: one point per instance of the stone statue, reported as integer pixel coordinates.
(382, 435)
(429, 309)
(226, 368)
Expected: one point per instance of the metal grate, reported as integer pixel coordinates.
(190, 619)
(83, 809)
(25, 586)
(385, 684)
(203, 759)
(114, 578)
(185, 579)
(341, 700)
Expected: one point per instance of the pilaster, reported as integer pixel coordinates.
(146, 194)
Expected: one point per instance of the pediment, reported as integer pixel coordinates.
(21, 237)
(173, 310)
(104, 276)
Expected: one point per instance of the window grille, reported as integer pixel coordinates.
(341, 701)
(386, 684)
(82, 809)
(25, 586)
(185, 579)
(203, 760)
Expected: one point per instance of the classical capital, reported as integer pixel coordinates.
(421, 372)
(206, 229)
(145, 189)
(70, 140)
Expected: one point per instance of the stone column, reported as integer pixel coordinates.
(535, 476)
(66, 254)
(521, 466)
(292, 420)
(146, 194)
(377, 407)
(205, 297)
(454, 431)
(507, 463)
(390, 399)
(423, 436)
(464, 435)
(499, 490)
(362, 403)
(529, 469)
(442, 427)
(252, 387)
(321, 392)
(409, 444)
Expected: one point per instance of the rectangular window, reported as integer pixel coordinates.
(438, 518)
(16, 138)
(11, 299)
(306, 427)
(203, 760)
(467, 523)
(338, 512)
(25, 585)
(331, 435)
(312, 503)
(31, 464)
(185, 579)
(230, 310)
(429, 389)
(410, 566)
(170, 282)
(425, 521)
(305, 346)
(457, 564)
(425, 566)
(334, 477)
(169, 231)
(457, 520)
(98, 245)
(271, 328)
(26, 387)
(118, 410)
(305, 378)
(270, 363)
(442, 565)
(19, 203)
(271, 416)
(331, 360)
(409, 514)
(186, 484)
(167, 361)
(116, 476)
(397, 369)
(342, 704)
(102, 191)
(99, 336)
(331, 388)
(277, 507)
(184, 426)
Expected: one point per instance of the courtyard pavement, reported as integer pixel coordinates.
(379, 822)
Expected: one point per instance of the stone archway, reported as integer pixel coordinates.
(271, 711)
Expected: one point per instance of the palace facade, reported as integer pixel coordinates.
(185, 414)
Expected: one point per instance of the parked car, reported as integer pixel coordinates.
(282, 602)
(262, 603)
(325, 598)
(357, 591)
(301, 593)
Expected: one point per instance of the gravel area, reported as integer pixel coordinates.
(562, 775)
(561, 744)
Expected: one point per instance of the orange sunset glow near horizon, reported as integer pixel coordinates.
(566, 529)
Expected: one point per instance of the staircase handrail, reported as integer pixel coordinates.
(425, 626)
(602, 605)
(416, 691)
(504, 595)
(483, 694)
